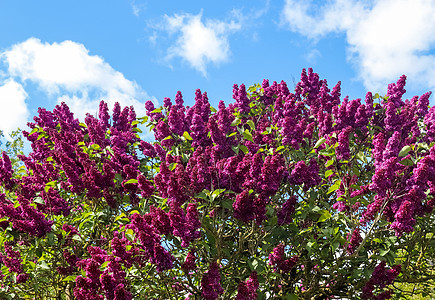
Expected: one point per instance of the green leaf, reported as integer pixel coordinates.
(43, 265)
(325, 216)
(248, 135)
(70, 278)
(96, 147)
(187, 136)
(39, 200)
(251, 124)
(133, 180)
(38, 252)
(217, 193)
(83, 125)
(406, 162)
(384, 252)
(244, 148)
(404, 151)
(327, 152)
(334, 187)
(33, 130)
(77, 237)
(236, 122)
(172, 166)
(280, 148)
(319, 143)
(235, 149)
(202, 195)
(328, 173)
(157, 110)
(329, 163)
(335, 246)
(41, 135)
(227, 203)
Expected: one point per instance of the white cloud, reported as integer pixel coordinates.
(14, 112)
(137, 8)
(199, 43)
(67, 71)
(386, 38)
(312, 56)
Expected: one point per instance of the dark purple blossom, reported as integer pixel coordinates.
(278, 260)
(241, 97)
(247, 290)
(210, 283)
(354, 241)
(307, 175)
(189, 264)
(343, 150)
(285, 213)
(340, 206)
(244, 206)
(381, 277)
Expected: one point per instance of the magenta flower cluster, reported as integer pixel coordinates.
(247, 290)
(381, 277)
(108, 284)
(210, 283)
(278, 259)
(264, 152)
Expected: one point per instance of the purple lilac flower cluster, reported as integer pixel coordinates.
(77, 171)
(12, 260)
(278, 260)
(230, 149)
(354, 240)
(111, 282)
(285, 213)
(189, 263)
(247, 290)
(308, 175)
(210, 283)
(381, 277)
(148, 237)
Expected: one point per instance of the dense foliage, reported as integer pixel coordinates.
(278, 195)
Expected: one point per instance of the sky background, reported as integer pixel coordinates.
(131, 51)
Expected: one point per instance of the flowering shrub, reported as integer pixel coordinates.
(278, 195)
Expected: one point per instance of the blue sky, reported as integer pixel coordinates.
(132, 51)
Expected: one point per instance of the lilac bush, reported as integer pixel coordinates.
(279, 195)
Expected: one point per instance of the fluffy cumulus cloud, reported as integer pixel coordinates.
(68, 72)
(200, 42)
(386, 38)
(13, 112)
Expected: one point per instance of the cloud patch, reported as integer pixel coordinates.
(200, 42)
(68, 72)
(14, 112)
(385, 38)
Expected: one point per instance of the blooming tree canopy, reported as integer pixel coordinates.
(278, 195)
